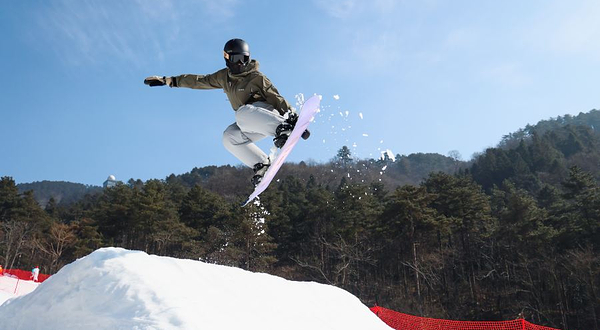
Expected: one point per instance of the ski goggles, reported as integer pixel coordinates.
(234, 58)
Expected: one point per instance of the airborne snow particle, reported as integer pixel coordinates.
(390, 155)
(365, 134)
(337, 97)
(360, 114)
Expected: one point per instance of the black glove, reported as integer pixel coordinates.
(158, 81)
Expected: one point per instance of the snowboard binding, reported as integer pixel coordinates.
(259, 171)
(284, 130)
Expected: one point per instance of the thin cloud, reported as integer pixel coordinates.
(372, 40)
(343, 9)
(377, 50)
(462, 37)
(83, 32)
(568, 28)
(92, 32)
(507, 74)
(221, 9)
(337, 8)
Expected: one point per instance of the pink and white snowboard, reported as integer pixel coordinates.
(307, 113)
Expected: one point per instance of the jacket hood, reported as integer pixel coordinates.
(250, 68)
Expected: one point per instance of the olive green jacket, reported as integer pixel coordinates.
(245, 88)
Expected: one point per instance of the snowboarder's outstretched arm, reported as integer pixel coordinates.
(209, 81)
(158, 81)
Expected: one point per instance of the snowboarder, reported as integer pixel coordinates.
(260, 110)
(35, 272)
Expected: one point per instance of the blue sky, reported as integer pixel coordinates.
(411, 76)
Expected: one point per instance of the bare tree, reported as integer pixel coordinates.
(61, 237)
(340, 260)
(15, 235)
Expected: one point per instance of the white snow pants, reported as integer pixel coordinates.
(253, 122)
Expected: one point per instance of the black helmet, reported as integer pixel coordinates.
(237, 55)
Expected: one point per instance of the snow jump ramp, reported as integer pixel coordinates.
(114, 288)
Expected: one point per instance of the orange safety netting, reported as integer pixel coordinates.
(402, 321)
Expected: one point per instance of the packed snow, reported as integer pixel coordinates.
(11, 287)
(114, 288)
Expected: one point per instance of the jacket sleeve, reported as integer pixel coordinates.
(272, 96)
(209, 81)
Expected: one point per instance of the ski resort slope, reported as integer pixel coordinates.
(113, 288)
(11, 287)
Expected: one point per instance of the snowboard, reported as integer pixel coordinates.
(307, 113)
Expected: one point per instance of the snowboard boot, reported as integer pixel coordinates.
(259, 171)
(284, 130)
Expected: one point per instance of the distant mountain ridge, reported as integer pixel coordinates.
(228, 181)
(63, 193)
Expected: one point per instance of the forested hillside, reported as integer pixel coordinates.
(230, 181)
(541, 155)
(59, 192)
(514, 233)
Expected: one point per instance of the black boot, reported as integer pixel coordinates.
(282, 133)
(259, 171)
(293, 119)
(284, 130)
